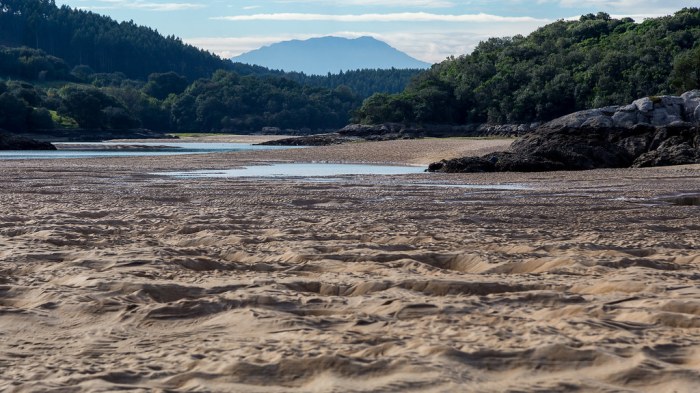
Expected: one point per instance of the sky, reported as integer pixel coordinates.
(429, 30)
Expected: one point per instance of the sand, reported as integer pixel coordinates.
(114, 279)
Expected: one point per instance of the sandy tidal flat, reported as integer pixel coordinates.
(113, 279)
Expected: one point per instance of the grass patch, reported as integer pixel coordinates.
(63, 121)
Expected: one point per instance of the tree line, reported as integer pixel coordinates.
(561, 68)
(167, 102)
(364, 82)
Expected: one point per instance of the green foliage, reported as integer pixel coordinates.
(93, 109)
(686, 71)
(31, 64)
(362, 82)
(13, 113)
(228, 101)
(40, 119)
(560, 68)
(162, 85)
(84, 38)
(63, 121)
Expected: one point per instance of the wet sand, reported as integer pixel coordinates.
(114, 279)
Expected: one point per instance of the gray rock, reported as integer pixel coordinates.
(691, 103)
(625, 118)
(609, 110)
(598, 121)
(644, 104)
(643, 117)
(575, 120)
(671, 101)
(662, 116)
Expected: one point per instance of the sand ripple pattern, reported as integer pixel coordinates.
(129, 282)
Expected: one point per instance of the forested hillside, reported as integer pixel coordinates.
(85, 38)
(560, 68)
(363, 82)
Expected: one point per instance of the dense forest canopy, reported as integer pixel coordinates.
(224, 102)
(85, 38)
(560, 68)
(364, 82)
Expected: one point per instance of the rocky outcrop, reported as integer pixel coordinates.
(655, 111)
(14, 142)
(393, 131)
(653, 131)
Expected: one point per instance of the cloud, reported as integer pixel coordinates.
(143, 5)
(380, 3)
(646, 8)
(392, 17)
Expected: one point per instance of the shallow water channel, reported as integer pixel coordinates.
(129, 149)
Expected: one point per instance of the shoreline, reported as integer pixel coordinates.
(410, 152)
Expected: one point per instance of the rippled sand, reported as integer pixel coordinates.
(113, 279)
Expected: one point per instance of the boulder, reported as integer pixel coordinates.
(691, 103)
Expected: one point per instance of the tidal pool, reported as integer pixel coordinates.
(300, 170)
(323, 172)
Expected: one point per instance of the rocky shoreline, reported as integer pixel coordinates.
(652, 131)
(42, 140)
(397, 131)
(10, 141)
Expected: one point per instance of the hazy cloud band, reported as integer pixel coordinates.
(394, 17)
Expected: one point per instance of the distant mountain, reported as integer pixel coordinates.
(319, 56)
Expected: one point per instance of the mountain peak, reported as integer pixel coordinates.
(321, 55)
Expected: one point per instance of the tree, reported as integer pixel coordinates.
(13, 113)
(161, 86)
(86, 105)
(686, 71)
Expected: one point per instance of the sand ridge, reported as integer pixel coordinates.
(113, 279)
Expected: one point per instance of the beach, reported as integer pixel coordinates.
(113, 277)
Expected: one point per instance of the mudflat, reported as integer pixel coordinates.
(112, 278)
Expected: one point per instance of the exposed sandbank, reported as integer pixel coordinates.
(112, 278)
